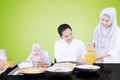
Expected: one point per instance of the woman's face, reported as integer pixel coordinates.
(67, 35)
(105, 21)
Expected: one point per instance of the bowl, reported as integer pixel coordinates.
(25, 64)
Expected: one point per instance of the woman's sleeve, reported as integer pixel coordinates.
(115, 51)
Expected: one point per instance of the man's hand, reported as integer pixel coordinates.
(82, 61)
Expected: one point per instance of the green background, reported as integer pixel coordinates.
(24, 22)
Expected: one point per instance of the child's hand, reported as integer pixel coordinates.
(43, 58)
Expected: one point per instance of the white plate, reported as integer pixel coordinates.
(89, 67)
(66, 65)
(4, 69)
(64, 69)
(25, 64)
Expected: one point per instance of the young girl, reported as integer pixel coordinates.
(107, 38)
(38, 55)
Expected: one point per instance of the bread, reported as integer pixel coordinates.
(31, 70)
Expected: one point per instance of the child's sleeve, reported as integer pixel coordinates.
(46, 54)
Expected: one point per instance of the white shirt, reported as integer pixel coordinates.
(69, 52)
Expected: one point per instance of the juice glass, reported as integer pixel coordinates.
(10, 63)
(90, 57)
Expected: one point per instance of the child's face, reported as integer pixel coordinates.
(105, 21)
(36, 51)
(67, 35)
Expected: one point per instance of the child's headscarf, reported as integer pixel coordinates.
(36, 46)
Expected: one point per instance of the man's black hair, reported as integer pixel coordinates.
(62, 28)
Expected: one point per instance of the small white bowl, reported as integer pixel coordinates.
(25, 64)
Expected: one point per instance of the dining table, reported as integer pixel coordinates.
(108, 71)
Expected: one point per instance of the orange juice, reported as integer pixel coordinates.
(90, 57)
(10, 63)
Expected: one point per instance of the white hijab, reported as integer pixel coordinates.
(105, 37)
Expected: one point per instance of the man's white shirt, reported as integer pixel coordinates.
(69, 52)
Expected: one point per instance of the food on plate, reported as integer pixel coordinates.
(28, 67)
(43, 65)
(58, 70)
(31, 70)
(88, 67)
(67, 65)
(55, 68)
(3, 66)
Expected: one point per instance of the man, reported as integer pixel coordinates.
(68, 48)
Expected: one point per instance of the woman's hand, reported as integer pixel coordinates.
(82, 61)
(101, 56)
(90, 47)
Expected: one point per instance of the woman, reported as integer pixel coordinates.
(107, 38)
